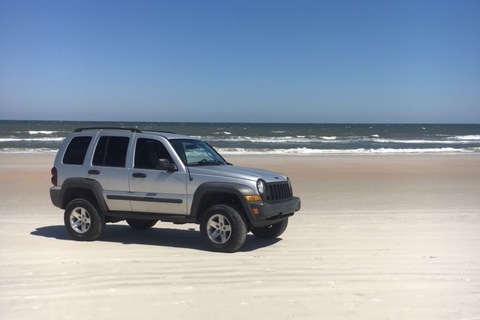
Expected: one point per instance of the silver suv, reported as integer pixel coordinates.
(112, 174)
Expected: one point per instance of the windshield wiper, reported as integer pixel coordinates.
(208, 163)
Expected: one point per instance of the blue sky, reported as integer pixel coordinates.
(241, 61)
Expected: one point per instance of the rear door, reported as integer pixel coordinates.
(151, 189)
(109, 167)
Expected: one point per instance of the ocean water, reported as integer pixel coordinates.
(267, 138)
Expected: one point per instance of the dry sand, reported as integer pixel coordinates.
(378, 237)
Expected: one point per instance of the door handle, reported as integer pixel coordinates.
(139, 175)
(93, 171)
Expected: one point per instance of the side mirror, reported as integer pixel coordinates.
(164, 164)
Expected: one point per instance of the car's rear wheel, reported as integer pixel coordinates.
(83, 220)
(271, 231)
(223, 228)
(141, 224)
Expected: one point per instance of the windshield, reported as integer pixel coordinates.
(196, 153)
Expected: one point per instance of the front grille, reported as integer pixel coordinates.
(279, 191)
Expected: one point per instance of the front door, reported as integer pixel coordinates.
(154, 190)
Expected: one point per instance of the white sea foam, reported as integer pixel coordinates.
(475, 137)
(308, 151)
(28, 150)
(43, 139)
(283, 139)
(412, 141)
(335, 140)
(41, 132)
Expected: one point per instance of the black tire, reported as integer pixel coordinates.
(83, 220)
(272, 231)
(141, 224)
(223, 228)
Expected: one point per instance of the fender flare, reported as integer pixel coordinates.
(208, 188)
(87, 184)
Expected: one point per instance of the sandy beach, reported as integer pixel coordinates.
(378, 237)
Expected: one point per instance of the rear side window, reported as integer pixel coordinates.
(76, 150)
(111, 152)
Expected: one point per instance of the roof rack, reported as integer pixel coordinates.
(108, 128)
(121, 128)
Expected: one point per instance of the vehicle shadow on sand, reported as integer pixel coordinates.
(155, 236)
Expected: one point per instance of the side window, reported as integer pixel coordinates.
(111, 152)
(148, 151)
(76, 150)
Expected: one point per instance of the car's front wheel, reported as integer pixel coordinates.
(271, 231)
(223, 228)
(83, 220)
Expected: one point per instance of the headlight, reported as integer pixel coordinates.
(261, 186)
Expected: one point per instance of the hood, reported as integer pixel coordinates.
(238, 173)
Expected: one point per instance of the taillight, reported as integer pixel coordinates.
(54, 178)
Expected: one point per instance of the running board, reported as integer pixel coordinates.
(177, 219)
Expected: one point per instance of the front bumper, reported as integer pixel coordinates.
(268, 213)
